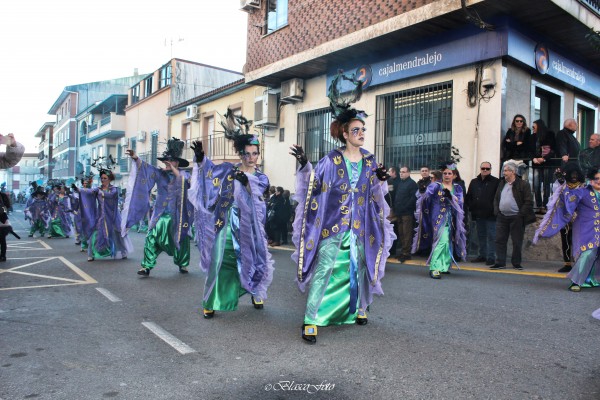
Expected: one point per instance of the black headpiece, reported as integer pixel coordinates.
(340, 106)
(455, 158)
(174, 151)
(104, 165)
(236, 128)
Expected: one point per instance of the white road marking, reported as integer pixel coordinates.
(168, 338)
(108, 295)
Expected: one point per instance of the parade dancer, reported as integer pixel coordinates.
(36, 211)
(101, 218)
(341, 231)
(170, 225)
(441, 227)
(59, 206)
(230, 222)
(579, 206)
(80, 239)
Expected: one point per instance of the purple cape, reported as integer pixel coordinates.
(324, 209)
(213, 192)
(433, 211)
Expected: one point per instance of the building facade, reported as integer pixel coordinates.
(436, 74)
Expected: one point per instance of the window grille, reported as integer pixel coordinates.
(414, 127)
(313, 134)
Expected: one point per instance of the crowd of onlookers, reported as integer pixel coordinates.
(497, 209)
(280, 215)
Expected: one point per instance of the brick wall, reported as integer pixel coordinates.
(314, 22)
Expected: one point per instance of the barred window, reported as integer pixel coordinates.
(313, 134)
(414, 127)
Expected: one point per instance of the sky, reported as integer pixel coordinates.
(46, 45)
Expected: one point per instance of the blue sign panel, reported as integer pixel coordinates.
(443, 54)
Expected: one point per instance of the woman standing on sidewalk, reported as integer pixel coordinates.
(578, 205)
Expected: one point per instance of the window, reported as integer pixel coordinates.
(414, 126)
(165, 76)
(94, 154)
(148, 86)
(135, 94)
(277, 15)
(313, 134)
(586, 116)
(101, 151)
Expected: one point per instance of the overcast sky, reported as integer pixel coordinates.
(46, 45)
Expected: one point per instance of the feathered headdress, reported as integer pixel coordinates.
(455, 158)
(174, 151)
(236, 128)
(341, 107)
(104, 164)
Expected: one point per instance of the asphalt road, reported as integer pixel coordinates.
(72, 329)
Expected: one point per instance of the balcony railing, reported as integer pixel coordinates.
(217, 147)
(593, 5)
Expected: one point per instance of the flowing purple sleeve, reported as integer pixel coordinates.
(203, 195)
(460, 234)
(561, 206)
(142, 179)
(423, 238)
(257, 264)
(303, 180)
(88, 210)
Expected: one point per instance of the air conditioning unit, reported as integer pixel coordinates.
(249, 5)
(191, 112)
(124, 142)
(265, 111)
(141, 136)
(292, 90)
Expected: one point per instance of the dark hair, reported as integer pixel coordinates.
(437, 174)
(108, 174)
(241, 141)
(542, 129)
(590, 175)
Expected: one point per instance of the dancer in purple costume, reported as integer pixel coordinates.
(341, 231)
(169, 228)
(59, 206)
(441, 227)
(581, 207)
(230, 222)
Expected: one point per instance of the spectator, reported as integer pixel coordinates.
(517, 140)
(480, 202)
(544, 144)
(287, 207)
(392, 182)
(425, 178)
(567, 145)
(458, 180)
(513, 206)
(278, 223)
(405, 204)
(590, 157)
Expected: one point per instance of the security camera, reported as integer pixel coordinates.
(488, 81)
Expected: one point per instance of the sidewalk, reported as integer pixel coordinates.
(546, 269)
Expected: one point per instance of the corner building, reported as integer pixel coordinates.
(436, 74)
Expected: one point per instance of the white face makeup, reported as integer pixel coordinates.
(250, 155)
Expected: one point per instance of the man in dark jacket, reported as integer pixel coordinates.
(480, 202)
(567, 145)
(513, 206)
(590, 157)
(405, 204)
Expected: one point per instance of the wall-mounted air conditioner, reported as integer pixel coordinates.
(124, 142)
(141, 136)
(265, 111)
(292, 90)
(249, 5)
(191, 112)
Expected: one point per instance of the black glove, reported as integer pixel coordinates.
(3, 217)
(75, 189)
(558, 175)
(198, 152)
(241, 176)
(422, 187)
(381, 173)
(447, 193)
(300, 156)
